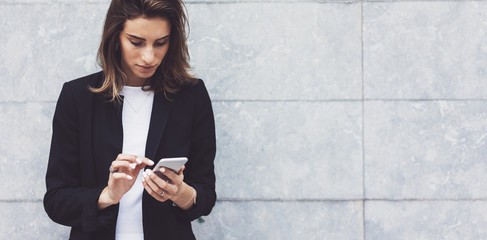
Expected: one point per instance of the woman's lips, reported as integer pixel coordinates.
(146, 68)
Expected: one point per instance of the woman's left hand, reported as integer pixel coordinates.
(175, 189)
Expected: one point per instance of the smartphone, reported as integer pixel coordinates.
(173, 164)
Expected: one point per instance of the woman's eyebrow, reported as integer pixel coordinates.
(142, 39)
(162, 37)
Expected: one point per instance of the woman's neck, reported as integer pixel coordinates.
(135, 83)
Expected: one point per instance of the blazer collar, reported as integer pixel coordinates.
(160, 113)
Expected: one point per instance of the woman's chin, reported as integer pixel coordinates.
(145, 75)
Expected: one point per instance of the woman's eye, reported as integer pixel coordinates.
(160, 44)
(136, 43)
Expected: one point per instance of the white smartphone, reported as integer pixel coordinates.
(174, 164)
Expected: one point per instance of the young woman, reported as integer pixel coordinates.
(111, 128)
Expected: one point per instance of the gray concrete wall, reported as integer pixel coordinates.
(335, 119)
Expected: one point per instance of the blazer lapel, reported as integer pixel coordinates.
(160, 113)
(107, 133)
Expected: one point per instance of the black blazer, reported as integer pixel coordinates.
(87, 137)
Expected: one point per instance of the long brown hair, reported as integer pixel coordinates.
(172, 74)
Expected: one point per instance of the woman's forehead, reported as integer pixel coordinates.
(147, 28)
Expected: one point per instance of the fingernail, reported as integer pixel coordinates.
(151, 162)
(162, 169)
(143, 179)
(144, 174)
(129, 177)
(148, 171)
(132, 165)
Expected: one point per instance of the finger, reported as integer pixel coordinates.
(170, 187)
(134, 159)
(173, 177)
(153, 189)
(118, 166)
(152, 193)
(182, 169)
(138, 162)
(146, 184)
(126, 157)
(142, 162)
(151, 183)
(121, 176)
(146, 161)
(157, 178)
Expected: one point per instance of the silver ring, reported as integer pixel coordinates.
(111, 170)
(162, 194)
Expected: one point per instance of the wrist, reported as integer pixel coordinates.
(186, 199)
(106, 199)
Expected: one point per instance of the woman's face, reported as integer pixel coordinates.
(144, 43)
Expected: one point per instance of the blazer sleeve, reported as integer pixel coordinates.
(67, 201)
(200, 174)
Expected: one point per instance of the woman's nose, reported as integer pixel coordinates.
(148, 55)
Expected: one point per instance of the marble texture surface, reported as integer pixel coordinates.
(426, 220)
(282, 220)
(276, 51)
(46, 47)
(288, 150)
(425, 50)
(27, 220)
(24, 147)
(425, 150)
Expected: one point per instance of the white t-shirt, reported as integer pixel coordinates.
(136, 114)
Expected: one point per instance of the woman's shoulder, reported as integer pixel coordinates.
(194, 90)
(196, 86)
(83, 83)
(80, 87)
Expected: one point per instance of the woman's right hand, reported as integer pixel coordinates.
(125, 170)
